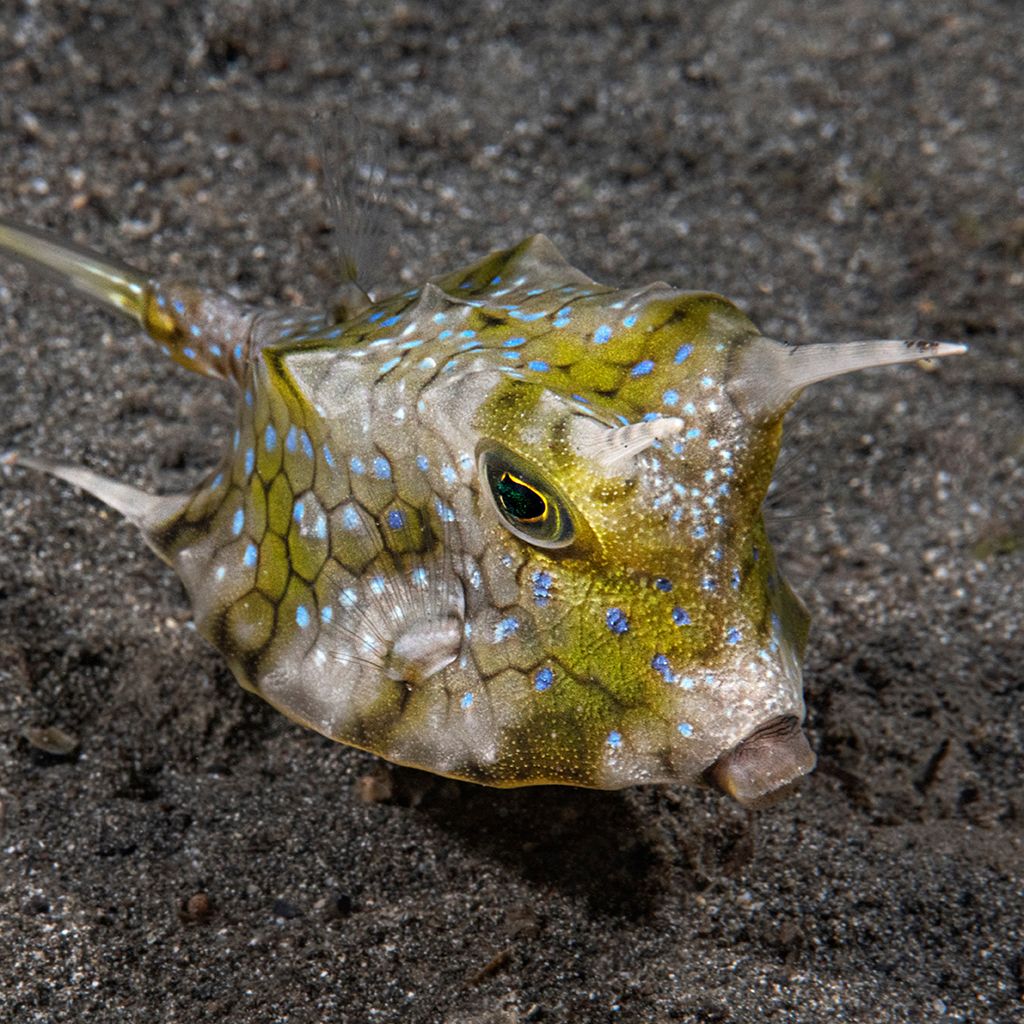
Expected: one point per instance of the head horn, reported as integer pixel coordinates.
(768, 375)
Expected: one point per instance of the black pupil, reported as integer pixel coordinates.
(520, 500)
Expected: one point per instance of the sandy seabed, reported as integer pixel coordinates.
(842, 170)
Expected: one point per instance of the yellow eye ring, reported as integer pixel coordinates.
(525, 504)
(529, 507)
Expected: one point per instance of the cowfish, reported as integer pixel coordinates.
(506, 527)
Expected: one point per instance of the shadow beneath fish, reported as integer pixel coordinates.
(582, 843)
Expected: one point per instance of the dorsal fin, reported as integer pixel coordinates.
(357, 191)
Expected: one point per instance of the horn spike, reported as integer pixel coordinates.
(772, 374)
(146, 511)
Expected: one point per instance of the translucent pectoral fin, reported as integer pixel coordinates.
(768, 375)
(146, 511)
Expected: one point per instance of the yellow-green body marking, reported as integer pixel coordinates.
(505, 527)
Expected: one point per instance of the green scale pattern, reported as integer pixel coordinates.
(349, 523)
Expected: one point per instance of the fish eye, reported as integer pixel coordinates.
(529, 507)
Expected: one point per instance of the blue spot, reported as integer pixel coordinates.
(538, 365)
(630, 321)
(756, 554)
(194, 330)
(562, 321)
(513, 342)
(307, 448)
(707, 583)
(356, 465)
(190, 353)
(660, 665)
(376, 316)
(161, 301)
(217, 481)
(439, 318)
(497, 280)
(422, 463)
(541, 588)
(504, 629)
(270, 438)
(723, 489)
(238, 522)
(350, 519)
(250, 458)
(381, 468)
(709, 475)
(326, 614)
(250, 556)
(215, 350)
(449, 366)
(449, 474)
(683, 353)
(735, 579)
(686, 683)
(733, 636)
(614, 740)
(444, 334)
(320, 528)
(670, 397)
(328, 457)
(706, 381)
(700, 533)
(602, 334)
(298, 511)
(292, 439)
(717, 555)
(238, 351)
(396, 519)
(389, 365)
(179, 307)
(467, 701)
(391, 320)
(663, 584)
(615, 619)
(680, 617)
(642, 368)
(468, 334)
(686, 729)
(419, 577)
(466, 284)
(238, 437)
(543, 679)
(693, 432)
(302, 616)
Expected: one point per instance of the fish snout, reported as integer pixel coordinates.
(765, 766)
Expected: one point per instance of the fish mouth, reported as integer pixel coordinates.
(765, 766)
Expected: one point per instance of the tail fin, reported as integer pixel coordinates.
(115, 284)
(199, 329)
